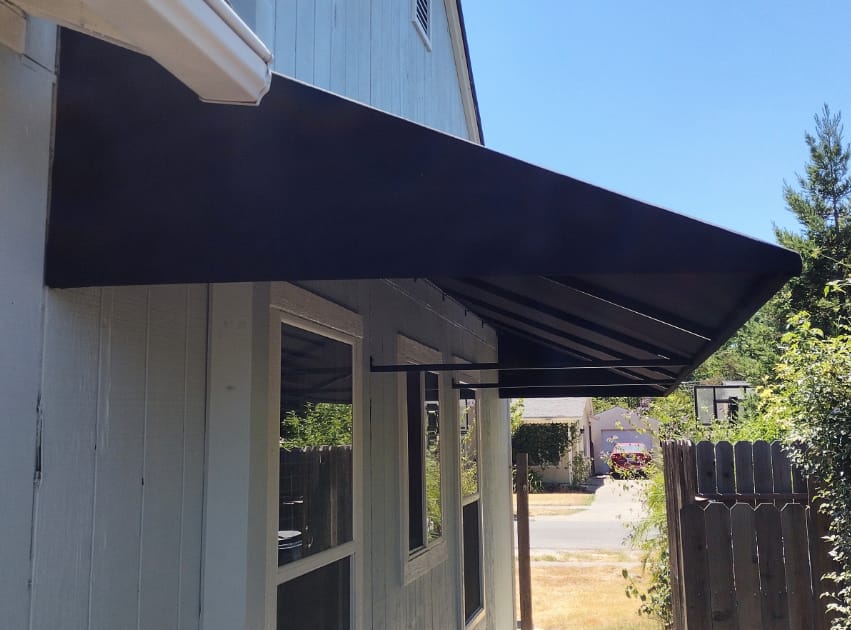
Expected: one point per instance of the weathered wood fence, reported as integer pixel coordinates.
(316, 495)
(746, 545)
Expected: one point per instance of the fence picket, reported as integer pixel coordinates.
(724, 468)
(762, 473)
(746, 567)
(670, 451)
(772, 574)
(744, 467)
(705, 457)
(798, 585)
(697, 600)
(720, 553)
(781, 470)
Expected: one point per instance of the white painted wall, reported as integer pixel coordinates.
(369, 51)
(26, 86)
(419, 311)
(118, 511)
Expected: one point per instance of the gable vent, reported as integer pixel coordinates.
(423, 15)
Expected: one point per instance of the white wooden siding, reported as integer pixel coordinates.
(432, 601)
(370, 51)
(26, 89)
(118, 512)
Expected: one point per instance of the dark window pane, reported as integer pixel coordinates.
(318, 600)
(469, 444)
(472, 569)
(415, 462)
(315, 511)
(432, 457)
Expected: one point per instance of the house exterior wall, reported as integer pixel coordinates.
(132, 416)
(419, 311)
(368, 51)
(562, 473)
(117, 532)
(26, 89)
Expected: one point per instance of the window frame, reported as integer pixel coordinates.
(479, 615)
(297, 307)
(418, 562)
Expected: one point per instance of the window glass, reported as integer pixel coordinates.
(470, 518)
(315, 492)
(416, 500)
(432, 457)
(469, 444)
(425, 521)
(318, 600)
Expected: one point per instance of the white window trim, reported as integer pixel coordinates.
(416, 22)
(478, 619)
(417, 563)
(297, 307)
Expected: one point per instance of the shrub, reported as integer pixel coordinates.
(812, 396)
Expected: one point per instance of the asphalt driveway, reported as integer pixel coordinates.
(602, 525)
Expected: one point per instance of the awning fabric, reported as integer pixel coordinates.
(151, 186)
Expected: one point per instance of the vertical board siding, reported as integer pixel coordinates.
(370, 50)
(64, 500)
(118, 516)
(163, 467)
(26, 92)
(118, 459)
(194, 419)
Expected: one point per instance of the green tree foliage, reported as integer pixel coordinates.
(318, 424)
(516, 409)
(607, 402)
(812, 395)
(821, 202)
(545, 443)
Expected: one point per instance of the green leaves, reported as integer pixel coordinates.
(319, 424)
(812, 393)
(545, 443)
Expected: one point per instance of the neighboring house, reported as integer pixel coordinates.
(341, 269)
(619, 425)
(575, 412)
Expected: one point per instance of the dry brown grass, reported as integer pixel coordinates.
(565, 597)
(556, 503)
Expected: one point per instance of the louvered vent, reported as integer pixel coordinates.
(423, 9)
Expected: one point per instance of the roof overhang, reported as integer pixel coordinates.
(592, 293)
(203, 43)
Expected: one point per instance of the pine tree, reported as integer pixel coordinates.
(821, 203)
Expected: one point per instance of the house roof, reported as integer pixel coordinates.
(150, 186)
(554, 408)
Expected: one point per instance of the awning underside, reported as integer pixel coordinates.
(150, 186)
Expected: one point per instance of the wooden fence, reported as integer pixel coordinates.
(746, 545)
(316, 495)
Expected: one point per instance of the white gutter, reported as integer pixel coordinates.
(203, 43)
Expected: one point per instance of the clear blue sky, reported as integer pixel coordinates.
(699, 107)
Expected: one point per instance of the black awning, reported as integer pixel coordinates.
(151, 186)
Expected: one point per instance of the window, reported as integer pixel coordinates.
(425, 520)
(316, 469)
(423, 546)
(471, 518)
(422, 20)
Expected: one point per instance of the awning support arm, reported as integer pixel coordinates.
(456, 385)
(565, 365)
